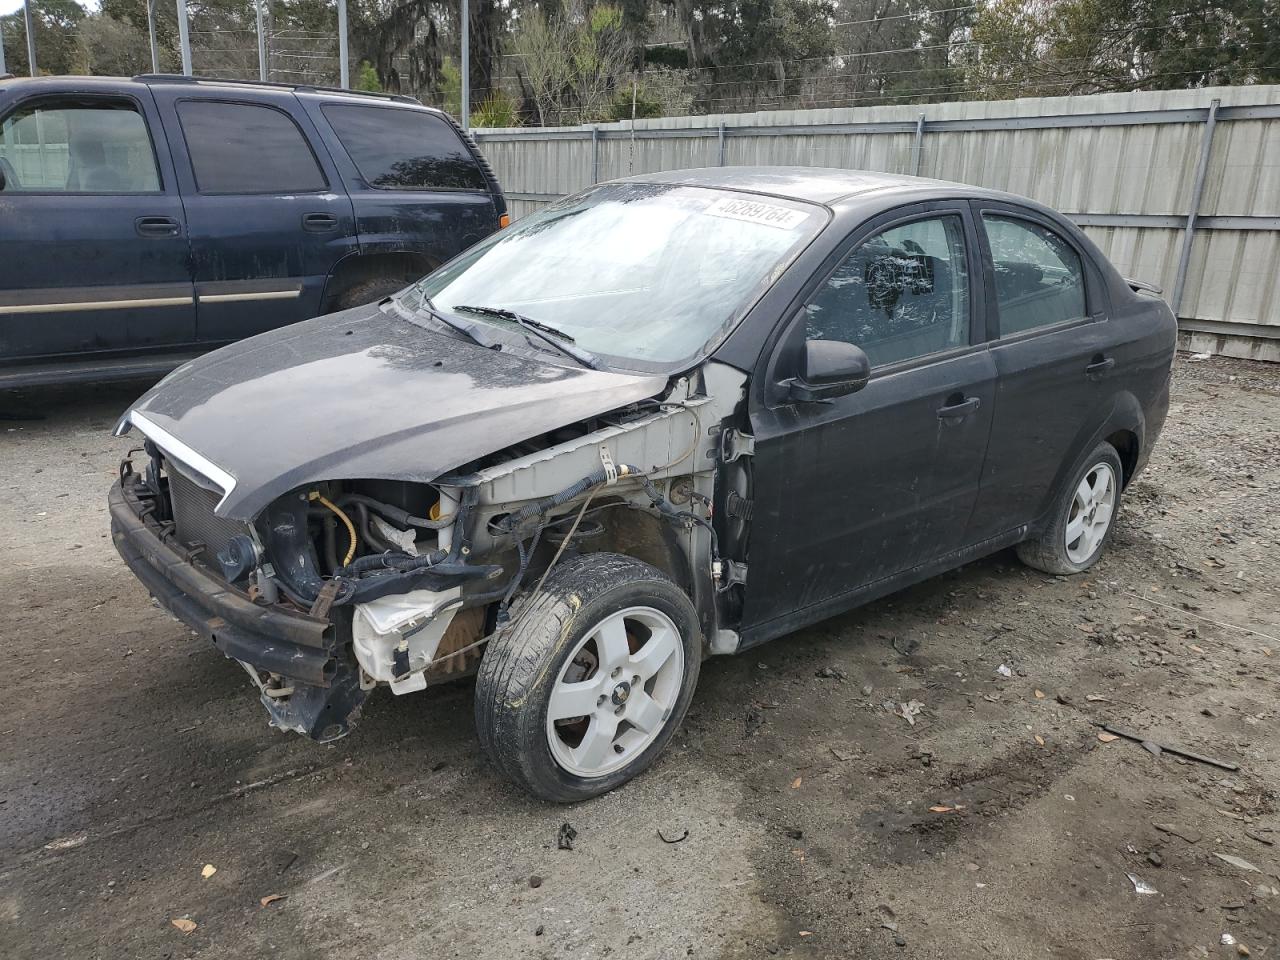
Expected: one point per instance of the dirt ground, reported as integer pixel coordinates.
(819, 823)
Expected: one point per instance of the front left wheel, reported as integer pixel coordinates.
(590, 681)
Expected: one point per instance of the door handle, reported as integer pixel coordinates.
(958, 407)
(1098, 368)
(157, 227)
(319, 222)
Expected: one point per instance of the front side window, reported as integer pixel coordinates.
(902, 294)
(643, 275)
(247, 149)
(1038, 276)
(402, 149)
(77, 146)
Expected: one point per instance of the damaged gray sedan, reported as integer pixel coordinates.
(666, 418)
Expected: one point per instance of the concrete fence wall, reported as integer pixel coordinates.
(1180, 188)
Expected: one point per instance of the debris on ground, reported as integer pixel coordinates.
(1157, 748)
(271, 898)
(909, 711)
(1004, 670)
(795, 784)
(1181, 833)
(1107, 737)
(1141, 886)
(831, 673)
(208, 871)
(185, 924)
(754, 721)
(906, 646)
(1237, 862)
(535, 881)
(867, 689)
(1259, 837)
(684, 835)
(842, 755)
(566, 836)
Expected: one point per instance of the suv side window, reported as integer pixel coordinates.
(901, 294)
(78, 145)
(404, 149)
(245, 148)
(1038, 275)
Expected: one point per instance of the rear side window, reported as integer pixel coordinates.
(404, 149)
(1039, 278)
(77, 145)
(247, 148)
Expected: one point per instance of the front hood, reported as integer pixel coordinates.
(361, 394)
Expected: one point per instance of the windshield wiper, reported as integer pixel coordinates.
(544, 332)
(468, 330)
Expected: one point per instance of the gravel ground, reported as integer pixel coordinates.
(820, 824)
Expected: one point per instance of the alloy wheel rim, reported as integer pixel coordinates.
(615, 692)
(1092, 508)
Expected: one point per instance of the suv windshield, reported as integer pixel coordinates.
(639, 272)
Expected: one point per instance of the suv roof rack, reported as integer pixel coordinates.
(304, 87)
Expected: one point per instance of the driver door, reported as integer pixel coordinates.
(855, 492)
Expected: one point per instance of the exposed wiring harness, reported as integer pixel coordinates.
(324, 501)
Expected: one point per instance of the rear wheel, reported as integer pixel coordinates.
(1082, 520)
(589, 683)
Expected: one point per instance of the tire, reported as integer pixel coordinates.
(368, 291)
(556, 651)
(1080, 526)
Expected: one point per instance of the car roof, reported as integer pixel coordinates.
(825, 185)
(64, 84)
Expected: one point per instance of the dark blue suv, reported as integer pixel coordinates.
(146, 220)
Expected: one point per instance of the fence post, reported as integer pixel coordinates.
(466, 65)
(3, 71)
(595, 154)
(720, 139)
(917, 151)
(344, 65)
(184, 38)
(262, 44)
(151, 36)
(31, 39)
(1197, 190)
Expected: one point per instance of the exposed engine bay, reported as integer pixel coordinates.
(407, 580)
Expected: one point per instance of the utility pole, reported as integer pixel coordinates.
(31, 39)
(151, 35)
(466, 65)
(184, 38)
(344, 65)
(262, 45)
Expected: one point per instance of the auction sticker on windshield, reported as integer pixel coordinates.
(754, 211)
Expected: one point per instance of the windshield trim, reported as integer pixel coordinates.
(707, 350)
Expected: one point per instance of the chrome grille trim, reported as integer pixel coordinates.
(195, 462)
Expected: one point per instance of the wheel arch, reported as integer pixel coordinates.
(1119, 422)
(354, 268)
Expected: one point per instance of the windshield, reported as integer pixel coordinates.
(649, 273)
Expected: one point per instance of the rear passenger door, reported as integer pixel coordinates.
(266, 212)
(93, 248)
(415, 186)
(1055, 354)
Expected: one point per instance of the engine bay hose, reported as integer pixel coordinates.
(324, 501)
(395, 514)
(530, 510)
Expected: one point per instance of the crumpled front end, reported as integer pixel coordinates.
(308, 681)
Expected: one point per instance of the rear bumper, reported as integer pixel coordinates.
(301, 648)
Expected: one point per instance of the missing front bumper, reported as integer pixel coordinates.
(326, 697)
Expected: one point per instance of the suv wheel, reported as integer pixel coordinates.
(368, 291)
(590, 681)
(1082, 520)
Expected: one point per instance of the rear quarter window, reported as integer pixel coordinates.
(398, 149)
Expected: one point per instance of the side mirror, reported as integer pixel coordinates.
(830, 368)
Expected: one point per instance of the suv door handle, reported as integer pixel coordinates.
(1099, 367)
(157, 227)
(958, 407)
(319, 222)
